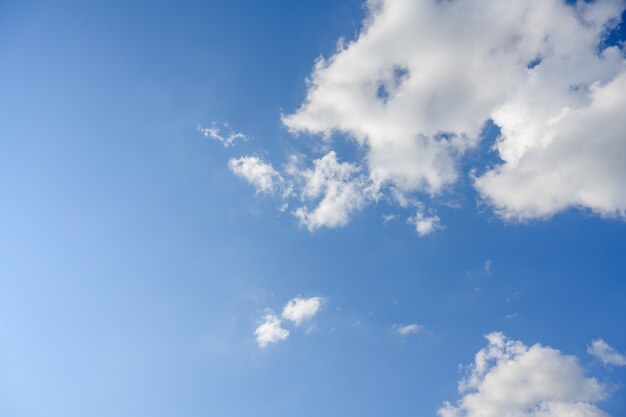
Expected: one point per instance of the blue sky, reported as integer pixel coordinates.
(138, 260)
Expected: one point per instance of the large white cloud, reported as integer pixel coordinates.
(574, 158)
(416, 87)
(510, 379)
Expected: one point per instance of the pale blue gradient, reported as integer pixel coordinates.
(134, 267)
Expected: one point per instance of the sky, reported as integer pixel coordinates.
(313, 208)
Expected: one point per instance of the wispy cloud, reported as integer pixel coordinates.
(488, 266)
(605, 353)
(388, 218)
(407, 329)
(226, 139)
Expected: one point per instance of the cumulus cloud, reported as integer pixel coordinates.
(339, 189)
(300, 309)
(416, 87)
(256, 172)
(605, 353)
(229, 139)
(422, 79)
(270, 331)
(511, 379)
(407, 328)
(297, 310)
(574, 157)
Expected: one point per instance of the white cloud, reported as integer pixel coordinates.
(407, 328)
(424, 224)
(338, 187)
(575, 156)
(326, 194)
(256, 172)
(605, 353)
(416, 87)
(229, 139)
(511, 379)
(270, 331)
(296, 311)
(300, 309)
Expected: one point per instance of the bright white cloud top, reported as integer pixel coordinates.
(416, 88)
(509, 378)
(300, 309)
(606, 354)
(270, 331)
(258, 173)
(297, 310)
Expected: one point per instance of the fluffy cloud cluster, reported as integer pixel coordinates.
(339, 188)
(606, 354)
(334, 189)
(417, 86)
(511, 379)
(297, 310)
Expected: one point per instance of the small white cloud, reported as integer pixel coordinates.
(605, 353)
(338, 187)
(509, 378)
(300, 309)
(407, 328)
(229, 139)
(256, 172)
(296, 311)
(270, 331)
(388, 217)
(425, 224)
